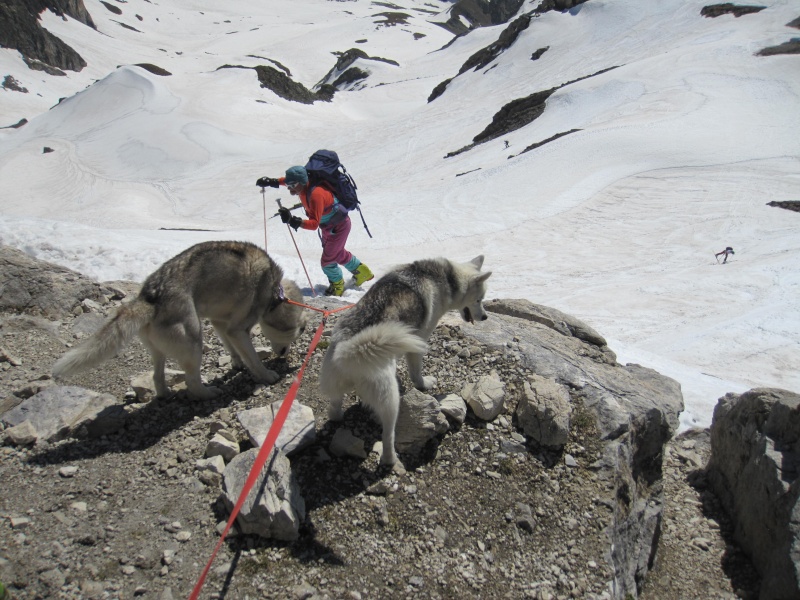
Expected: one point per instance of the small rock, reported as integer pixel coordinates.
(20, 523)
(222, 446)
(183, 536)
(23, 434)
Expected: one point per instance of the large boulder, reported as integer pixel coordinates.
(754, 469)
(544, 411)
(419, 420)
(59, 412)
(273, 507)
(34, 287)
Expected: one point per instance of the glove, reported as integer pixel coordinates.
(295, 223)
(284, 214)
(267, 182)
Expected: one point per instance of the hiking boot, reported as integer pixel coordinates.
(362, 274)
(336, 288)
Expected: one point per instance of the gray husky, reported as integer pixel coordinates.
(395, 318)
(233, 284)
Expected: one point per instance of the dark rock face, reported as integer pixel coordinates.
(21, 30)
(349, 77)
(538, 54)
(344, 74)
(9, 83)
(717, 10)
(514, 115)
(154, 69)
(559, 5)
(790, 47)
(507, 38)
(787, 204)
(439, 90)
(480, 13)
(755, 472)
(486, 55)
(114, 9)
(518, 113)
(37, 288)
(284, 86)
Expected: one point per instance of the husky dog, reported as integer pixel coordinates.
(233, 284)
(394, 318)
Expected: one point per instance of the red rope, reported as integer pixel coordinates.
(269, 442)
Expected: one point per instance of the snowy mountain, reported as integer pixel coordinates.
(599, 154)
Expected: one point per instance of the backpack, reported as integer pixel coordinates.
(324, 169)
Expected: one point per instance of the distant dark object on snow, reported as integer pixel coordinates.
(154, 69)
(790, 47)
(787, 204)
(717, 10)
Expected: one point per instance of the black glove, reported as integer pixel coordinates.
(295, 223)
(284, 214)
(267, 182)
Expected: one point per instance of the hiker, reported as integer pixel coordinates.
(323, 212)
(727, 252)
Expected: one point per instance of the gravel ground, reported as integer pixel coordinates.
(125, 515)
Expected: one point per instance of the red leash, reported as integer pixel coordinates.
(269, 442)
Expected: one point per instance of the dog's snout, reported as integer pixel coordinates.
(484, 317)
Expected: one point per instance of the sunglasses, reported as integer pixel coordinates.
(295, 186)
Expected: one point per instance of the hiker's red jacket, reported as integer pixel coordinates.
(320, 203)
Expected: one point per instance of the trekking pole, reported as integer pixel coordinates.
(300, 256)
(264, 204)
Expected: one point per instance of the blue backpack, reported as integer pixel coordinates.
(324, 169)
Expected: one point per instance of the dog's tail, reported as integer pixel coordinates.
(115, 333)
(375, 345)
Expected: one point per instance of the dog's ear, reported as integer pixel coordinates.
(482, 277)
(477, 261)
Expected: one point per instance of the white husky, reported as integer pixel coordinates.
(395, 318)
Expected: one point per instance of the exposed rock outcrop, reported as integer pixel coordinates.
(36, 288)
(755, 471)
(790, 47)
(21, 30)
(728, 8)
(273, 507)
(466, 15)
(284, 86)
(635, 411)
(344, 73)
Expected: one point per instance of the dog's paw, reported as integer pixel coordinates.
(269, 377)
(388, 459)
(428, 383)
(237, 363)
